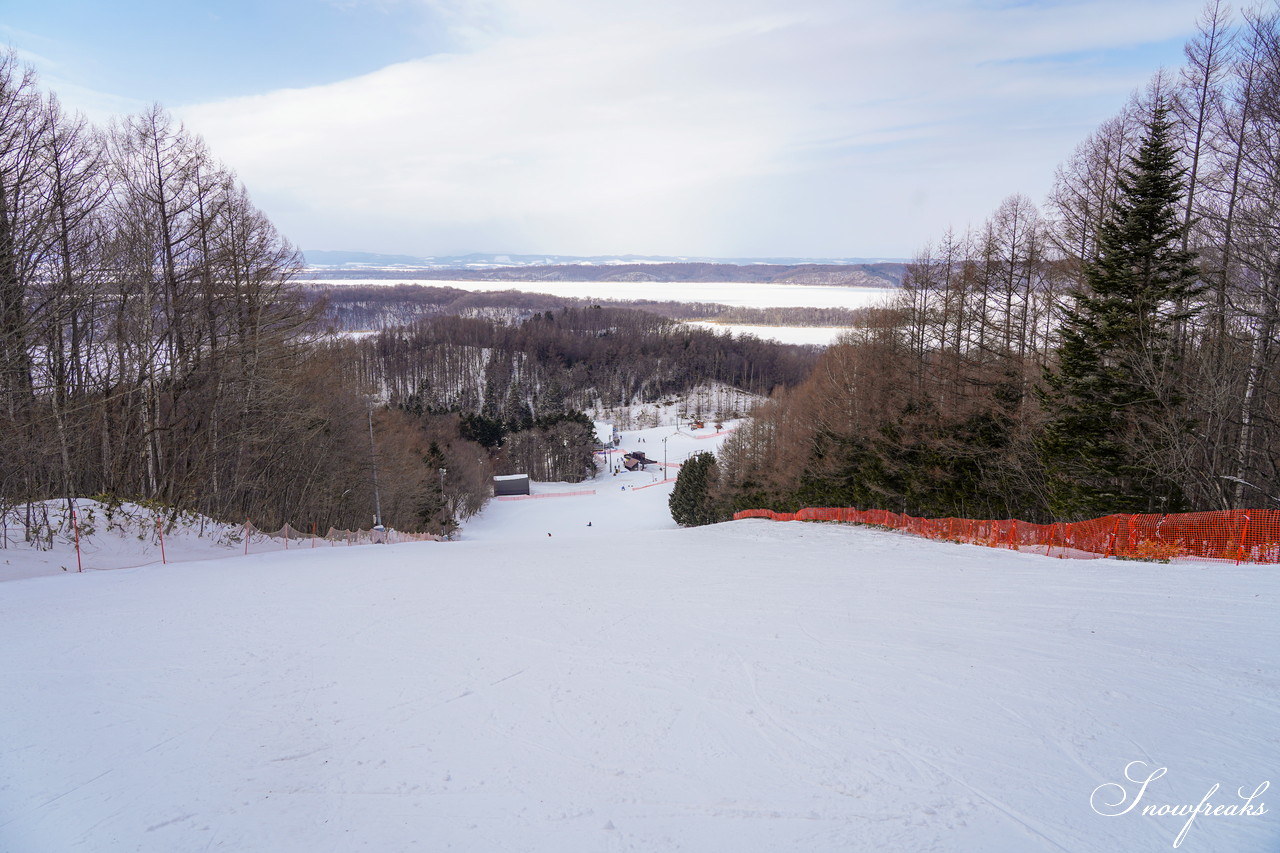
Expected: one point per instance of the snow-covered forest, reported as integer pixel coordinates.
(1115, 351)
(154, 345)
(363, 307)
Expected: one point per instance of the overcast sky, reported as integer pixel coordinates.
(743, 128)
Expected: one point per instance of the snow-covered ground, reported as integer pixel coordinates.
(627, 685)
(111, 537)
(822, 336)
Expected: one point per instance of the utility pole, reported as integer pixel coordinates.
(373, 456)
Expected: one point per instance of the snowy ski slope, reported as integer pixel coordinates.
(627, 685)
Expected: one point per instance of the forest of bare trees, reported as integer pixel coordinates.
(575, 358)
(155, 345)
(946, 403)
(517, 382)
(1113, 350)
(365, 307)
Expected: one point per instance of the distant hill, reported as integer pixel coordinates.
(321, 258)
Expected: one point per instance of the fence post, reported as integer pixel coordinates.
(75, 525)
(1244, 531)
(160, 532)
(1013, 534)
(246, 537)
(1111, 545)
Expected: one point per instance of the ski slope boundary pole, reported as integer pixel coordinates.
(75, 525)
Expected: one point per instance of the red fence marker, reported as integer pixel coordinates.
(1226, 535)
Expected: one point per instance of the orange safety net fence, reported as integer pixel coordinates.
(1240, 536)
(289, 534)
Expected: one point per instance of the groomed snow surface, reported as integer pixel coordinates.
(751, 686)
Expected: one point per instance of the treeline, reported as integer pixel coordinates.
(152, 345)
(358, 308)
(574, 358)
(791, 315)
(520, 383)
(1116, 353)
(556, 447)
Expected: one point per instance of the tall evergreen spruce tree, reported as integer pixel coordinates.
(691, 501)
(1110, 395)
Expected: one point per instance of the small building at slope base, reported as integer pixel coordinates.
(511, 484)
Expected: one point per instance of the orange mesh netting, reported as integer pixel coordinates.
(1241, 536)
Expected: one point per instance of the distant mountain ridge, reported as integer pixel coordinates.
(330, 259)
(525, 268)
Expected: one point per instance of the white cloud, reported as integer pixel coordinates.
(722, 127)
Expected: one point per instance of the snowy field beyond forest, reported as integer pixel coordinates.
(736, 294)
(576, 674)
(822, 336)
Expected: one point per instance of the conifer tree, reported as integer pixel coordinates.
(691, 501)
(432, 505)
(1115, 376)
